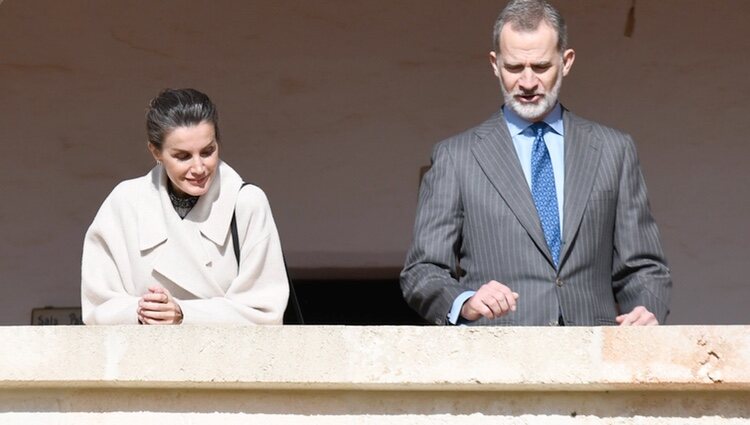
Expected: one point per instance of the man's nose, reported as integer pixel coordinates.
(528, 80)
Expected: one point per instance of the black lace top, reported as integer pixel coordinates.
(182, 205)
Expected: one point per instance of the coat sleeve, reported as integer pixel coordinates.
(104, 297)
(428, 281)
(640, 274)
(259, 293)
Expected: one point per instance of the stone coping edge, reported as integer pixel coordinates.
(387, 358)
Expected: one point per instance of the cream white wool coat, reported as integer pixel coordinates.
(138, 240)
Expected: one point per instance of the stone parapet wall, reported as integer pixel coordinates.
(392, 375)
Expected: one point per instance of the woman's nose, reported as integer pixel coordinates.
(198, 166)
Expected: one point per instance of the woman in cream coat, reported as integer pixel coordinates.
(160, 250)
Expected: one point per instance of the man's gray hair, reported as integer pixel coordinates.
(526, 15)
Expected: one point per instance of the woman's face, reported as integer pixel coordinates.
(190, 156)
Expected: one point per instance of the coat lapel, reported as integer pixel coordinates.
(183, 261)
(498, 159)
(213, 212)
(180, 254)
(152, 228)
(582, 154)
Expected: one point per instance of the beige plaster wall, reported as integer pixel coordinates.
(332, 107)
(375, 375)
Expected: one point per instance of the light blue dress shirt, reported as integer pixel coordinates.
(523, 141)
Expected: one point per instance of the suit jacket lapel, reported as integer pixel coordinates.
(582, 154)
(498, 159)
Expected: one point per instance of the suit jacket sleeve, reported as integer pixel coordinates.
(640, 275)
(259, 293)
(429, 279)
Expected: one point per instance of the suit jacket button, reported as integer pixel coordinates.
(559, 282)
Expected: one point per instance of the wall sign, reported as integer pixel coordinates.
(47, 316)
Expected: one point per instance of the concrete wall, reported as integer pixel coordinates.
(333, 106)
(375, 375)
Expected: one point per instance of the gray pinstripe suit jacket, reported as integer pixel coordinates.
(476, 222)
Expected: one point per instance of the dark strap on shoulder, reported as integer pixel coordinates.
(293, 312)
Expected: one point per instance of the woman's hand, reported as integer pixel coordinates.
(159, 308)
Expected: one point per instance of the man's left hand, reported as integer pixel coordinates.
(640, 316)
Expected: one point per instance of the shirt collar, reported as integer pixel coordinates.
(516, 124)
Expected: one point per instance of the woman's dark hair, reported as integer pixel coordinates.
(174, 108)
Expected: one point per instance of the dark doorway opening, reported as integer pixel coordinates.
(353, 301)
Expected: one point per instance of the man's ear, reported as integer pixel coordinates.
(494, 64)
(568, 57)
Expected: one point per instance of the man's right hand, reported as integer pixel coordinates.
(492, 300)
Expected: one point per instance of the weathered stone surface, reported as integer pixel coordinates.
(395, 358)
(337, 374)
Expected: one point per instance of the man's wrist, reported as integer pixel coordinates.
(454, 315)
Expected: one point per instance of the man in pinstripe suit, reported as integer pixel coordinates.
(481, 254)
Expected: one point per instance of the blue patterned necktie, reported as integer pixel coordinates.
(544, 192)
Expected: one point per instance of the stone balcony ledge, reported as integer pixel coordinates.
(378, 358)
(374, 375)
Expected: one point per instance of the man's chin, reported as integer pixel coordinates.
(531, 111)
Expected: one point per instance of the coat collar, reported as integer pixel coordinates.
(212, 213)
(179, 252)
(152, 227)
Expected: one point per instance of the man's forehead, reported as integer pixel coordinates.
(541, 38)
(532, 55)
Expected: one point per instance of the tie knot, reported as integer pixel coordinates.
(539, 128)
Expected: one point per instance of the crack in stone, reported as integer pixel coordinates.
(715, 379)
(714, 376)
(709, 363)
(710, 356)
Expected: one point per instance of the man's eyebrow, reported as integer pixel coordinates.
(540, 63)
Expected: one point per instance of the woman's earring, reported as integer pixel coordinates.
(158, 162)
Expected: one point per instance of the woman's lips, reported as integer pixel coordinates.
(198, 182)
